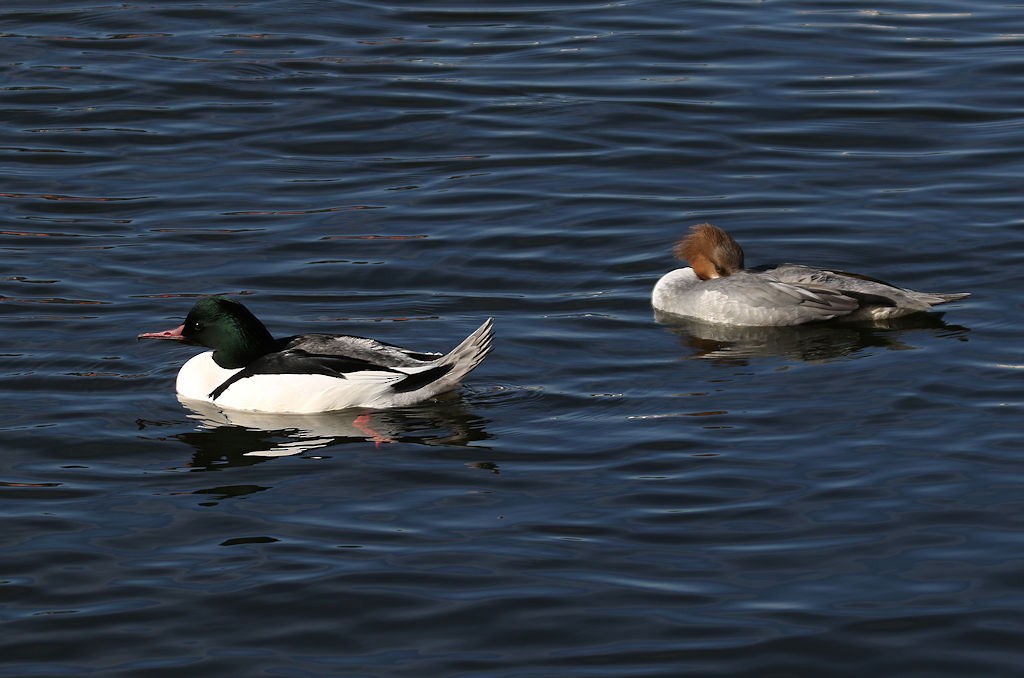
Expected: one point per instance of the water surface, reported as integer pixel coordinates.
(609, 495)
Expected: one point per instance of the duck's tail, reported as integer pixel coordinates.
(466, 356)
(933, 298)
(446, 372)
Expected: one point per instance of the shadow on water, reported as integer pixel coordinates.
(817, 342)
(227, 438)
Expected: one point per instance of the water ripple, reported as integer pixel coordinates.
(611, 493)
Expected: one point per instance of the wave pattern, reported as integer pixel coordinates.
(607, 495)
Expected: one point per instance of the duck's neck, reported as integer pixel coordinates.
(250, 343)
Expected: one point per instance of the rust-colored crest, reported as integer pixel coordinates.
(710, 251)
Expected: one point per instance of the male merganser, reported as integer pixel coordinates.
(250, 370)
(717, 288)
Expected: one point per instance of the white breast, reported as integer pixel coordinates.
(200, 375)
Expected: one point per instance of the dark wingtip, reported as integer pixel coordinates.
(421, 379)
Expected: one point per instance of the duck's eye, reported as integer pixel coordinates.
(196, 326)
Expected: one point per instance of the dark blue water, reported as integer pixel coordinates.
(608, 495)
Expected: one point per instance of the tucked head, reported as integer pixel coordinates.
(710, 251)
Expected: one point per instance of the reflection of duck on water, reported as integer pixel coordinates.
(810, 342)
(243, 437)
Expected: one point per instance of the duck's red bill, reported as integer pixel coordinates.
(174, 334)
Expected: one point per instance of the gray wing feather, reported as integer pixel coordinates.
(771, 294)
(360, 348)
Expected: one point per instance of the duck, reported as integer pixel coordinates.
(716, 287)
(249, 370)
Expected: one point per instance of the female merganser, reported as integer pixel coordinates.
(716, 288)
(250, 370)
